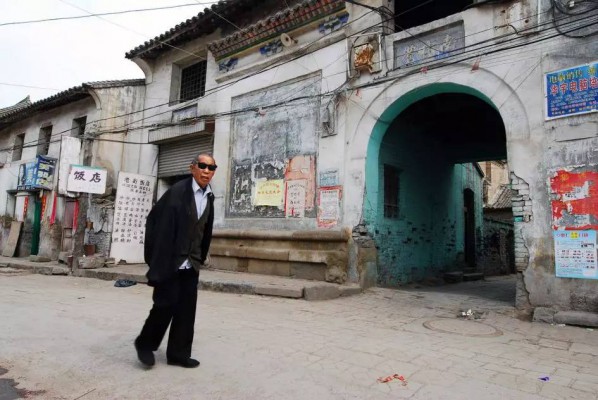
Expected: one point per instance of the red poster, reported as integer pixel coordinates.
(575, 200)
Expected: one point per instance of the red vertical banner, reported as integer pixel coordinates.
(75, 215)
(53, 214)
(44, 200)
(26, 204)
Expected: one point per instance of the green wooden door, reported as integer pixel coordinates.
(37, 217)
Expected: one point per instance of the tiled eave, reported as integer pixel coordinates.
(65, 97)
(20, 105)
(203, 23)
(286, 20)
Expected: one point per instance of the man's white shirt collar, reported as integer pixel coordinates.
(196, 187)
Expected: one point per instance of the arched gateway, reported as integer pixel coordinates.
(423, 189)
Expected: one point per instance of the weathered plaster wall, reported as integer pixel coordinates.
(264, 145)
(61, 120)
(512, 81)
(99, 108)
(160, 92)
(317, 73)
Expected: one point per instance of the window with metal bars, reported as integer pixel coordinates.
(391, 191)
(193, 81)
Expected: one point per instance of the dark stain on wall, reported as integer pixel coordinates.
(265, 141)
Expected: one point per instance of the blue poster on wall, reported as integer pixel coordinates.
(572, 91)
(38, 174)
(575, 254)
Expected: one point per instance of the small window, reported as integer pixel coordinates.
(43, 143)
(193, 81)
(391, 191)
(410, 13)
(78, 127)
(17, 148)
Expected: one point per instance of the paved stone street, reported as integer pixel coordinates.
(71, 338)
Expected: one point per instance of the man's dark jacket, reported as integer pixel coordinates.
(169, 231)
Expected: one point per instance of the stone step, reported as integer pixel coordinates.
(473, 276)
(453, 277)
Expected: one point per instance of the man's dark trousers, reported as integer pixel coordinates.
(174, 303)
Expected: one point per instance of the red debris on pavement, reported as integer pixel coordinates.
(390, 378)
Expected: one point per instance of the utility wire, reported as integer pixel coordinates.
(253, 108)
(131, 30)
(34, 21)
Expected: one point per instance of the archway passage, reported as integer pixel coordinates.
(426, 207)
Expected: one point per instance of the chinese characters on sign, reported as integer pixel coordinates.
(428, 47)
(37, 175)
(132, 205)
(572, 91)
(575, 254)
(87, 179)
(269, 193)
(295, 199)
(329, 177)
(329, 199)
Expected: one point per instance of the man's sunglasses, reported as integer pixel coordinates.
(211, 167)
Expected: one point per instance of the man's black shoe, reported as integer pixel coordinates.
(188, 363)
(145, 356)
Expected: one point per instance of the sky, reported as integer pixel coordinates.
(41, 59)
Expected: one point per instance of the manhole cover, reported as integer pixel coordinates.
(462, 327)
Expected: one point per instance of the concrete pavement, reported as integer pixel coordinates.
(71, 338)
(214, 280)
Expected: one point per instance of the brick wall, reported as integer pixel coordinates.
(497, 254)
(522, 214)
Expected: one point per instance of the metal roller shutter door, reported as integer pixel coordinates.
(174, 157)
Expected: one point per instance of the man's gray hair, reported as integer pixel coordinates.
(202, 154)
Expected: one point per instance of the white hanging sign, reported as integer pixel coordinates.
(86, 179)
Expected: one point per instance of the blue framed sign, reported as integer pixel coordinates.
(38, 174)
(572, 91)
(575, 254)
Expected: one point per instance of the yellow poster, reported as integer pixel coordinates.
(269, 193)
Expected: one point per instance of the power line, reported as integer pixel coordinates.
(277, 65)
(27, 86)
(34, 21)
(131, 30)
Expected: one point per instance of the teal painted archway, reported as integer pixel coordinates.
(425, 236)
(381, 127)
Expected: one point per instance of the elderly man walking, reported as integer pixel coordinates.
(177, 240)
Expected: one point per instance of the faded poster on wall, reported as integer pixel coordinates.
(303, 168)
(575, 254)
(132, 205)
(295, 198)
(575, 198)
(329, 177)
(329, 199)
(269, 193)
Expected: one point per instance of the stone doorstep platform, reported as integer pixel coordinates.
(214, 280)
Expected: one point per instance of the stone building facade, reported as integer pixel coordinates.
(79, 126)
(344, 132)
